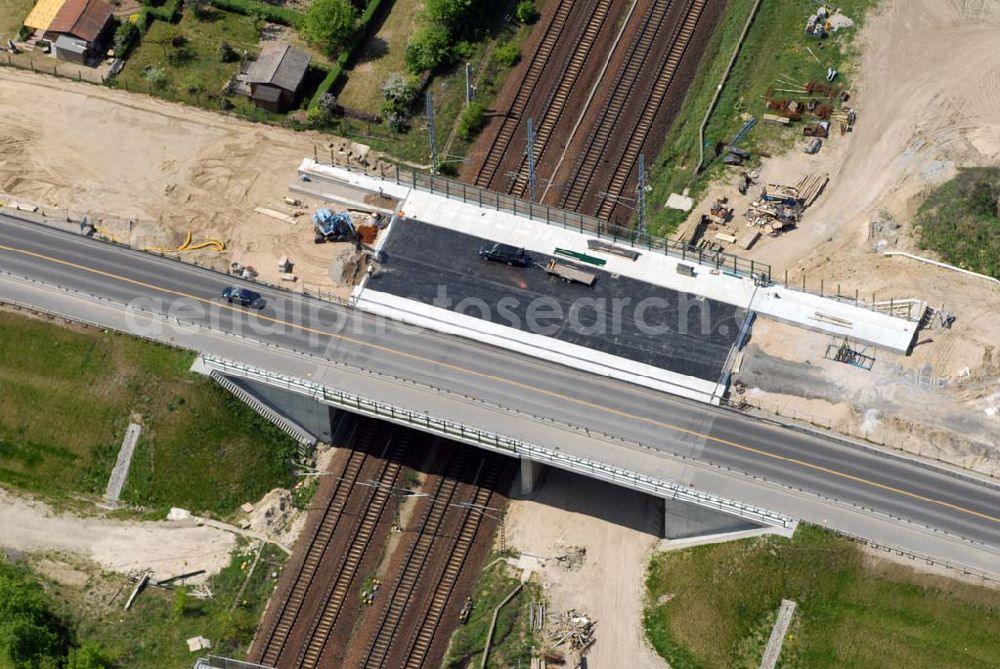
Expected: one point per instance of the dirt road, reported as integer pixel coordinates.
(167, 548)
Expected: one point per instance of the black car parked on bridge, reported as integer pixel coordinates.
(505, 253)
(243, 297)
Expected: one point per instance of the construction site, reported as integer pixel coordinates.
(794, 288)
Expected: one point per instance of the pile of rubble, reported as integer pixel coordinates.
(574, 631)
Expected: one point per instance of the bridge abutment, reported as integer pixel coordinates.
(683, 520)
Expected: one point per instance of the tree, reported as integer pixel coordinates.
(428, 48)
(399, 91)
(329, 22)
(457, 16)
(198, 7)
(31, 634)
(526, 12)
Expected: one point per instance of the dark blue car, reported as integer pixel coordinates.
(242, 297)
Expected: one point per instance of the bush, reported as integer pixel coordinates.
(197, 7)
(328, 23)
(31, 634)
(126, 35)
(226, 53)
(507, 54)
(90, 656)
(399, 91)
(526, 12)
(155, 76)
(458, 16)
(192, 83)
(472, 120)
(428, 48)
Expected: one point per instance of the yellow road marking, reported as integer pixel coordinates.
(517, 384)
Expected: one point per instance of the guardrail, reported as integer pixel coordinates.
(571, 220)
(628, 476)
(497, 442)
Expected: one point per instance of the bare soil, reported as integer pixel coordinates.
(618, 529)
(165, 547)
(926, 99)
(150, 171)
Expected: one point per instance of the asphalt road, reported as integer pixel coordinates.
(890, 485)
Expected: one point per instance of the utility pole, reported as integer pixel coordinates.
(469, 90)
(640, 195)
(532, 183)
(430, 131)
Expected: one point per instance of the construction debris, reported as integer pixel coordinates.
(574, 631)
(573, 558)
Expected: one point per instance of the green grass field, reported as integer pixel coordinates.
(713, 606)
(67, 397)
(961, 220)
(12, 15)
(776, 50)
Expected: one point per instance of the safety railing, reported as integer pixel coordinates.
(497, 442)
(571, 220)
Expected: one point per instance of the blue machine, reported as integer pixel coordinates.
(331, 226)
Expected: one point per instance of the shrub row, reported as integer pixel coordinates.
(356, 41)
(272, 13)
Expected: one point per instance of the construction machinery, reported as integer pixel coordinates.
(333, 227)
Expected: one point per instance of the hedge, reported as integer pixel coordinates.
(357, 40)
(169, 12)
(282, 15)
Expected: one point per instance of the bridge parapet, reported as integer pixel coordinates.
(499, 443)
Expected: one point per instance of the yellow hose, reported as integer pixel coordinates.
(215, 244)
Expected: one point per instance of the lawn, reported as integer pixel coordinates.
(192, 72)
(69, 395)
(961, 220)
(713, 606)
(12, 15)
(776, 50)
(383, 54)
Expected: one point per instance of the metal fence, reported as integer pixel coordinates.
(570, 220)
(497, 442)
(217, 662)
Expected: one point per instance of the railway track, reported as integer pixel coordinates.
(423, 637)
(416, 560)
(623, 91)
(539, 61)
(290, 607)
(567, 80)
(665, 76)
(340, 584)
